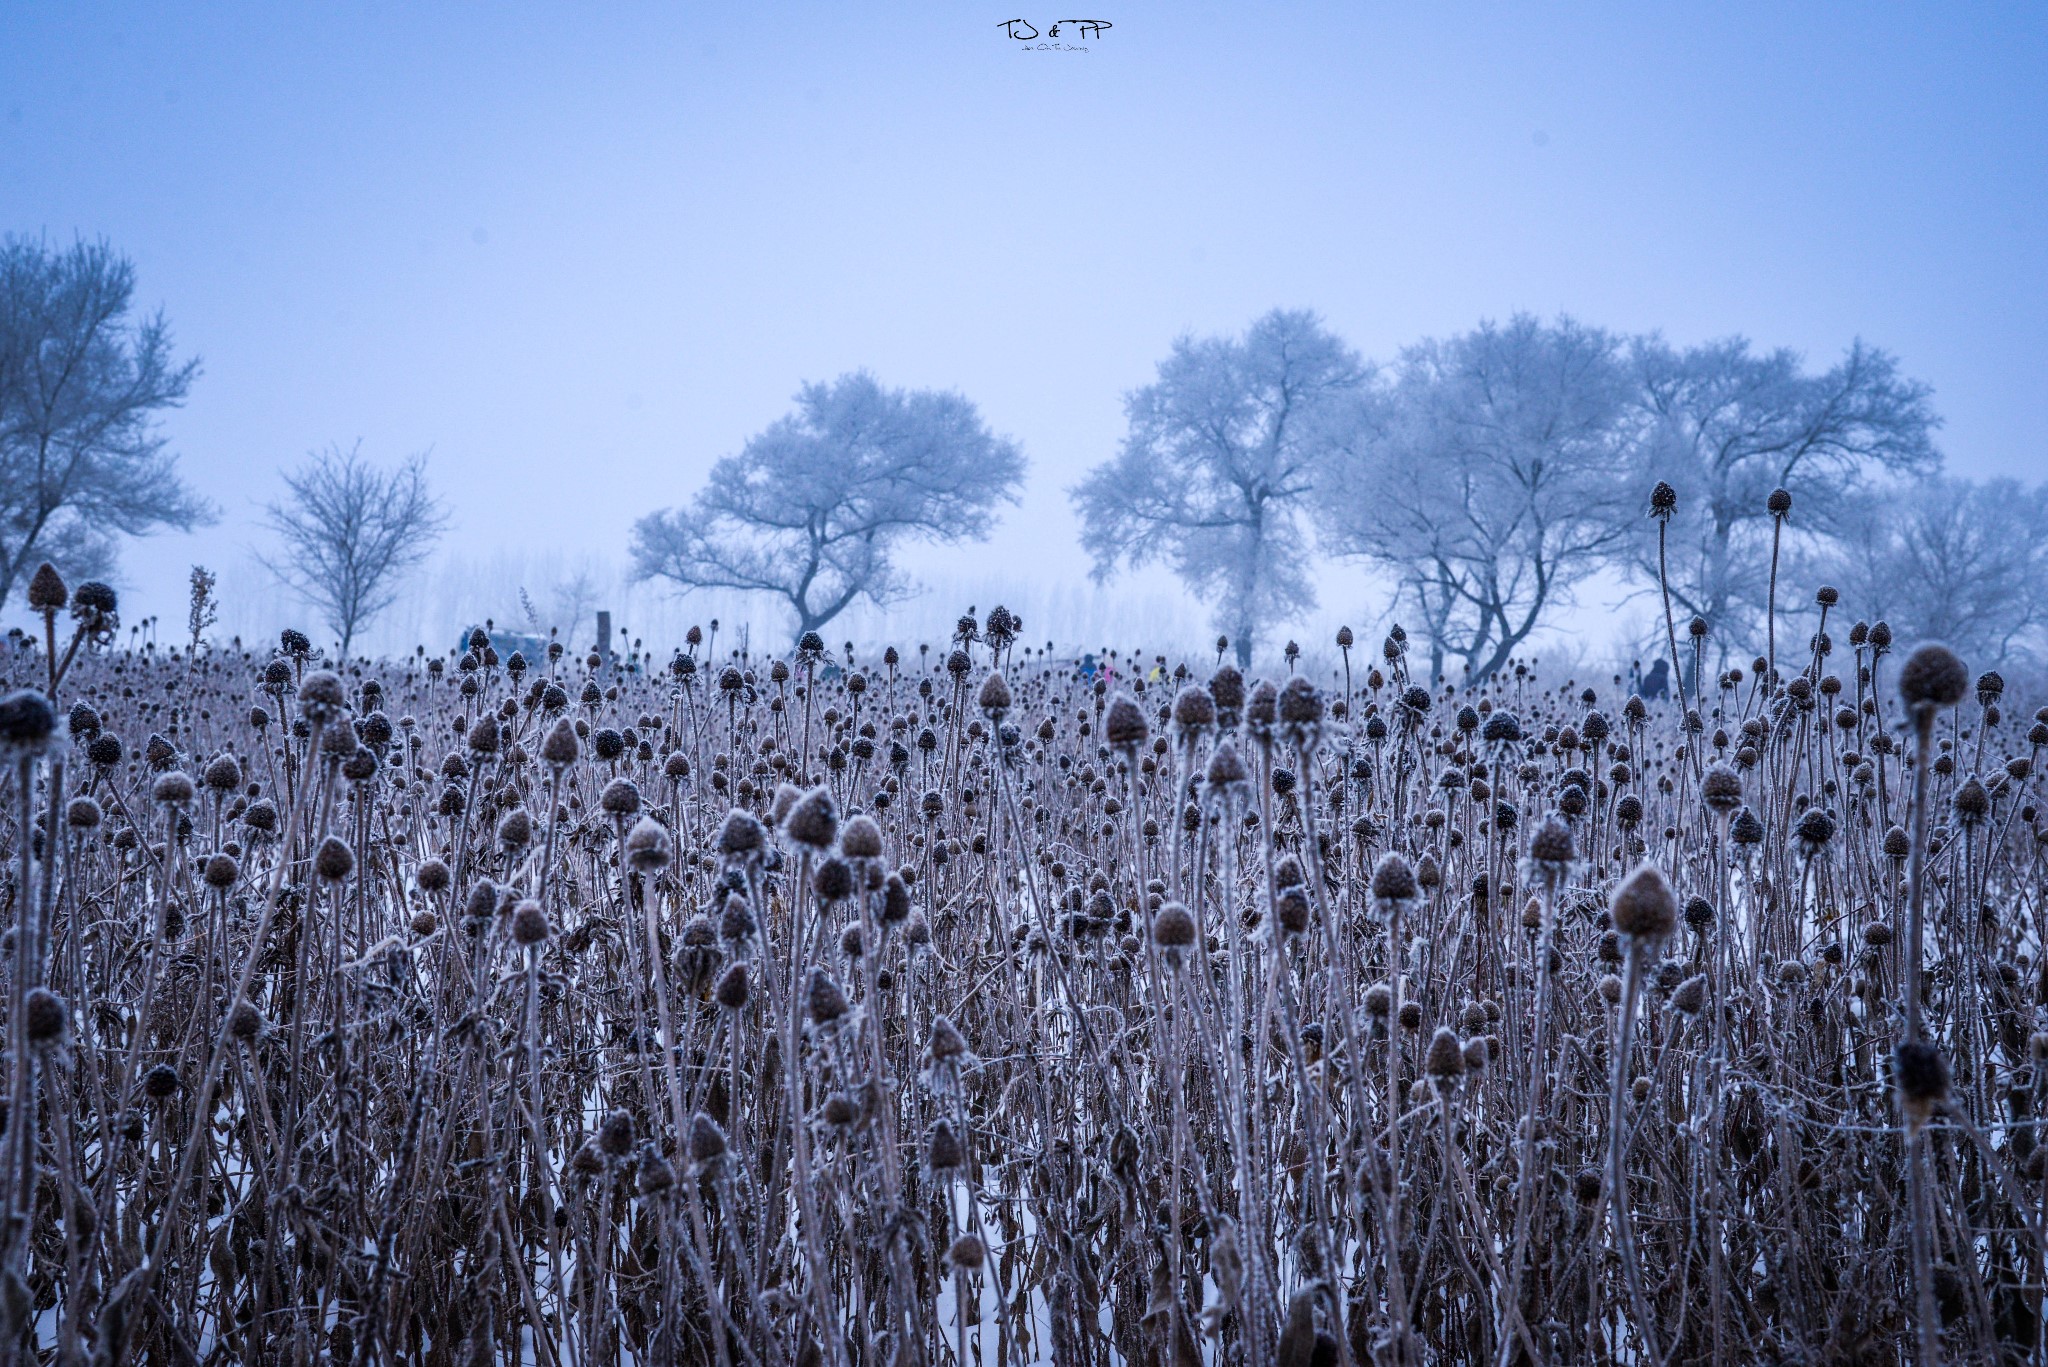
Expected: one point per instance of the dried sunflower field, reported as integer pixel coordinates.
(834, 1008)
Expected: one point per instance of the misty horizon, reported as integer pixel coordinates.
(569, 263)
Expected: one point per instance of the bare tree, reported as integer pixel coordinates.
(1484, 481)
(1727, 426)
(82, 381)
(1954, 559)
(1222, 453)
(351, 532)
(812, 509)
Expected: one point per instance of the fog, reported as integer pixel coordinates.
(579, 256)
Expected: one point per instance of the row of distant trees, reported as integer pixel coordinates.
(1488, 475)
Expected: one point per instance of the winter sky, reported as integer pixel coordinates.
(581, 251)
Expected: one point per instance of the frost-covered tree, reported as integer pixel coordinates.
(83, 380)
(1957, 560)
(351, 532)
(1222, 453)
(812, 509)
(1483, 480)
(1725, 426)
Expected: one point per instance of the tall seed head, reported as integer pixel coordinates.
(1226, 771)
(995, 696)
(515, 829)
(861, 838)
(824, 998)
(734, 990)
(560, 748)
(45, 1017)
(814, 820)
(707, 1140)
(947, 1044)
(28, 724)
(1644, 908)
(1393, 881)
(1921, 1075)
(943, 1149)
(648, 846)
(1194, 712)
(1173, 927)
(741, 836)
(46, 591)
(334, 860)
(1721, 788)
(432, 875)
(1445, 1060)
(1124, 726)
(615, 1134)
(322, 697)
(1226, 688)
(1552, 845)
(1933, 677)
(530, 924)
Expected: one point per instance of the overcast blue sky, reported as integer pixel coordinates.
(581, 251)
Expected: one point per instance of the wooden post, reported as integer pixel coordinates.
(604, 638)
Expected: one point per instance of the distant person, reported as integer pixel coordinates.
(1657, 683)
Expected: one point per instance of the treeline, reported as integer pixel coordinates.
(1487, 475)
(1490, 474)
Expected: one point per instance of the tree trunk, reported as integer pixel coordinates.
(807, 622)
